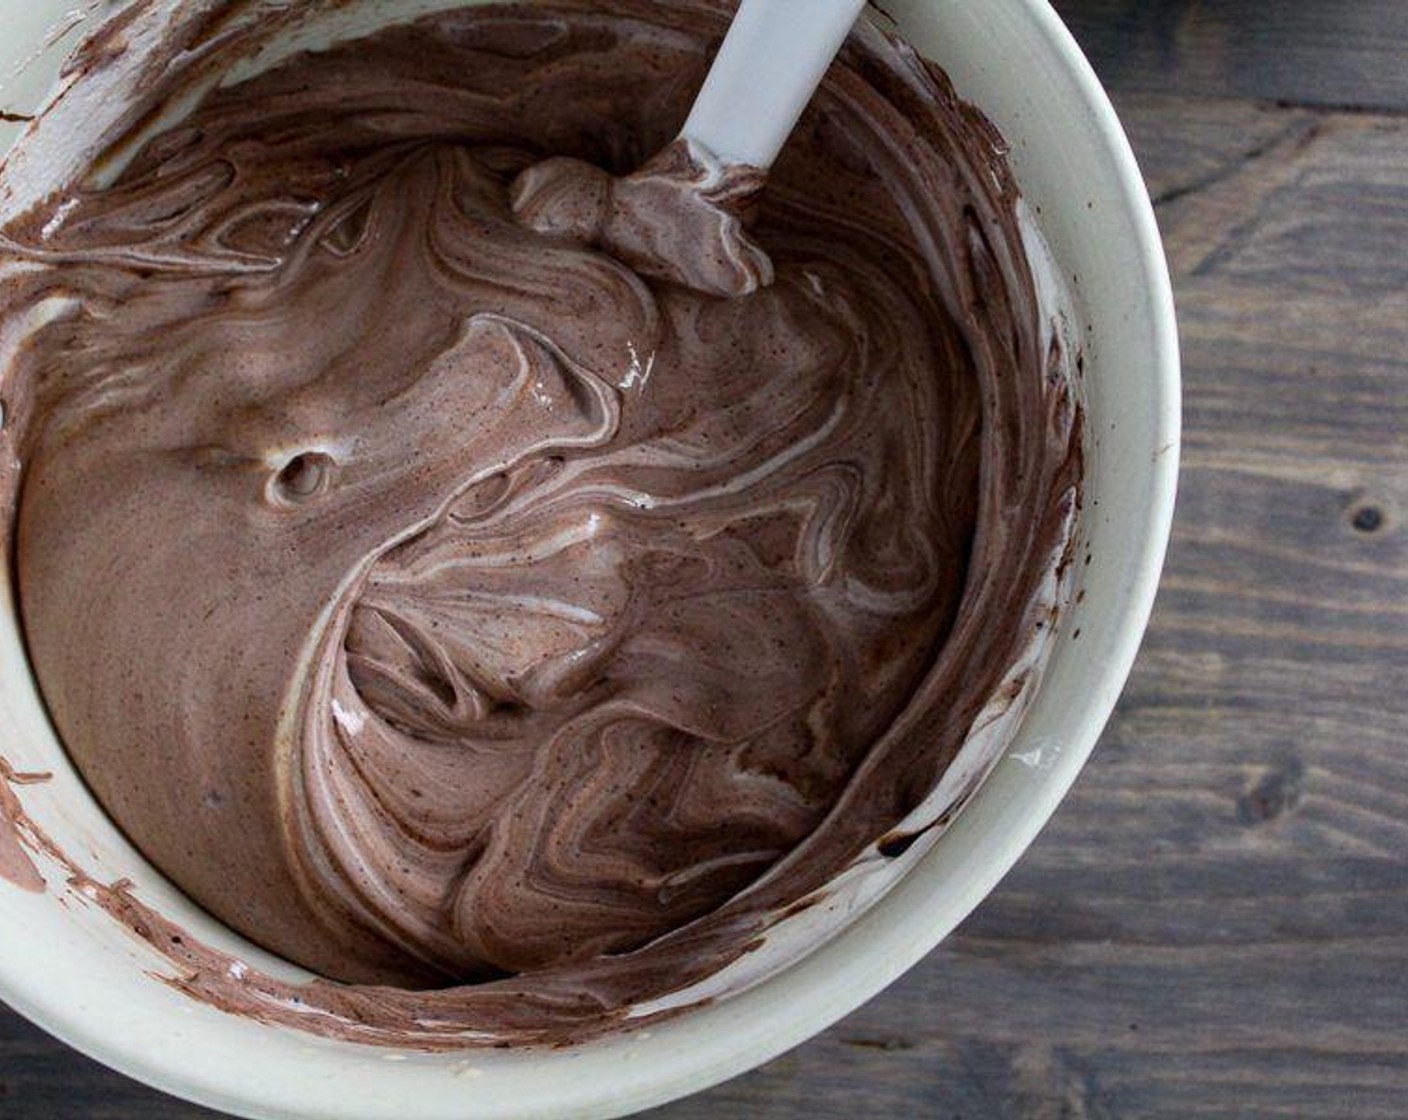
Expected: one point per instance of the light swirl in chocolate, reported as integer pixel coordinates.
(462, 600)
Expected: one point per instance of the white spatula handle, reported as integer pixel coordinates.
(773, 58)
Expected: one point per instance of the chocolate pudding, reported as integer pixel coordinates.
(500, 559)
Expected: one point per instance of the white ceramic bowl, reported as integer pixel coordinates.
(76, 973)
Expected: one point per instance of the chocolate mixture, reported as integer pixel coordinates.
(448, 590)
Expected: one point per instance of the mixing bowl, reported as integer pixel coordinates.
(69, 967)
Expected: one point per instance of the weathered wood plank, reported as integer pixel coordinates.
(1185, 144)
(1338, 54)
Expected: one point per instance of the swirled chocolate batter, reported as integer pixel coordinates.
(461, 570)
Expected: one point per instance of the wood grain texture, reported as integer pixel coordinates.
(1215, 924)
(1329, 53)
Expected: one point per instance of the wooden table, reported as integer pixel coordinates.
(1216, 922)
